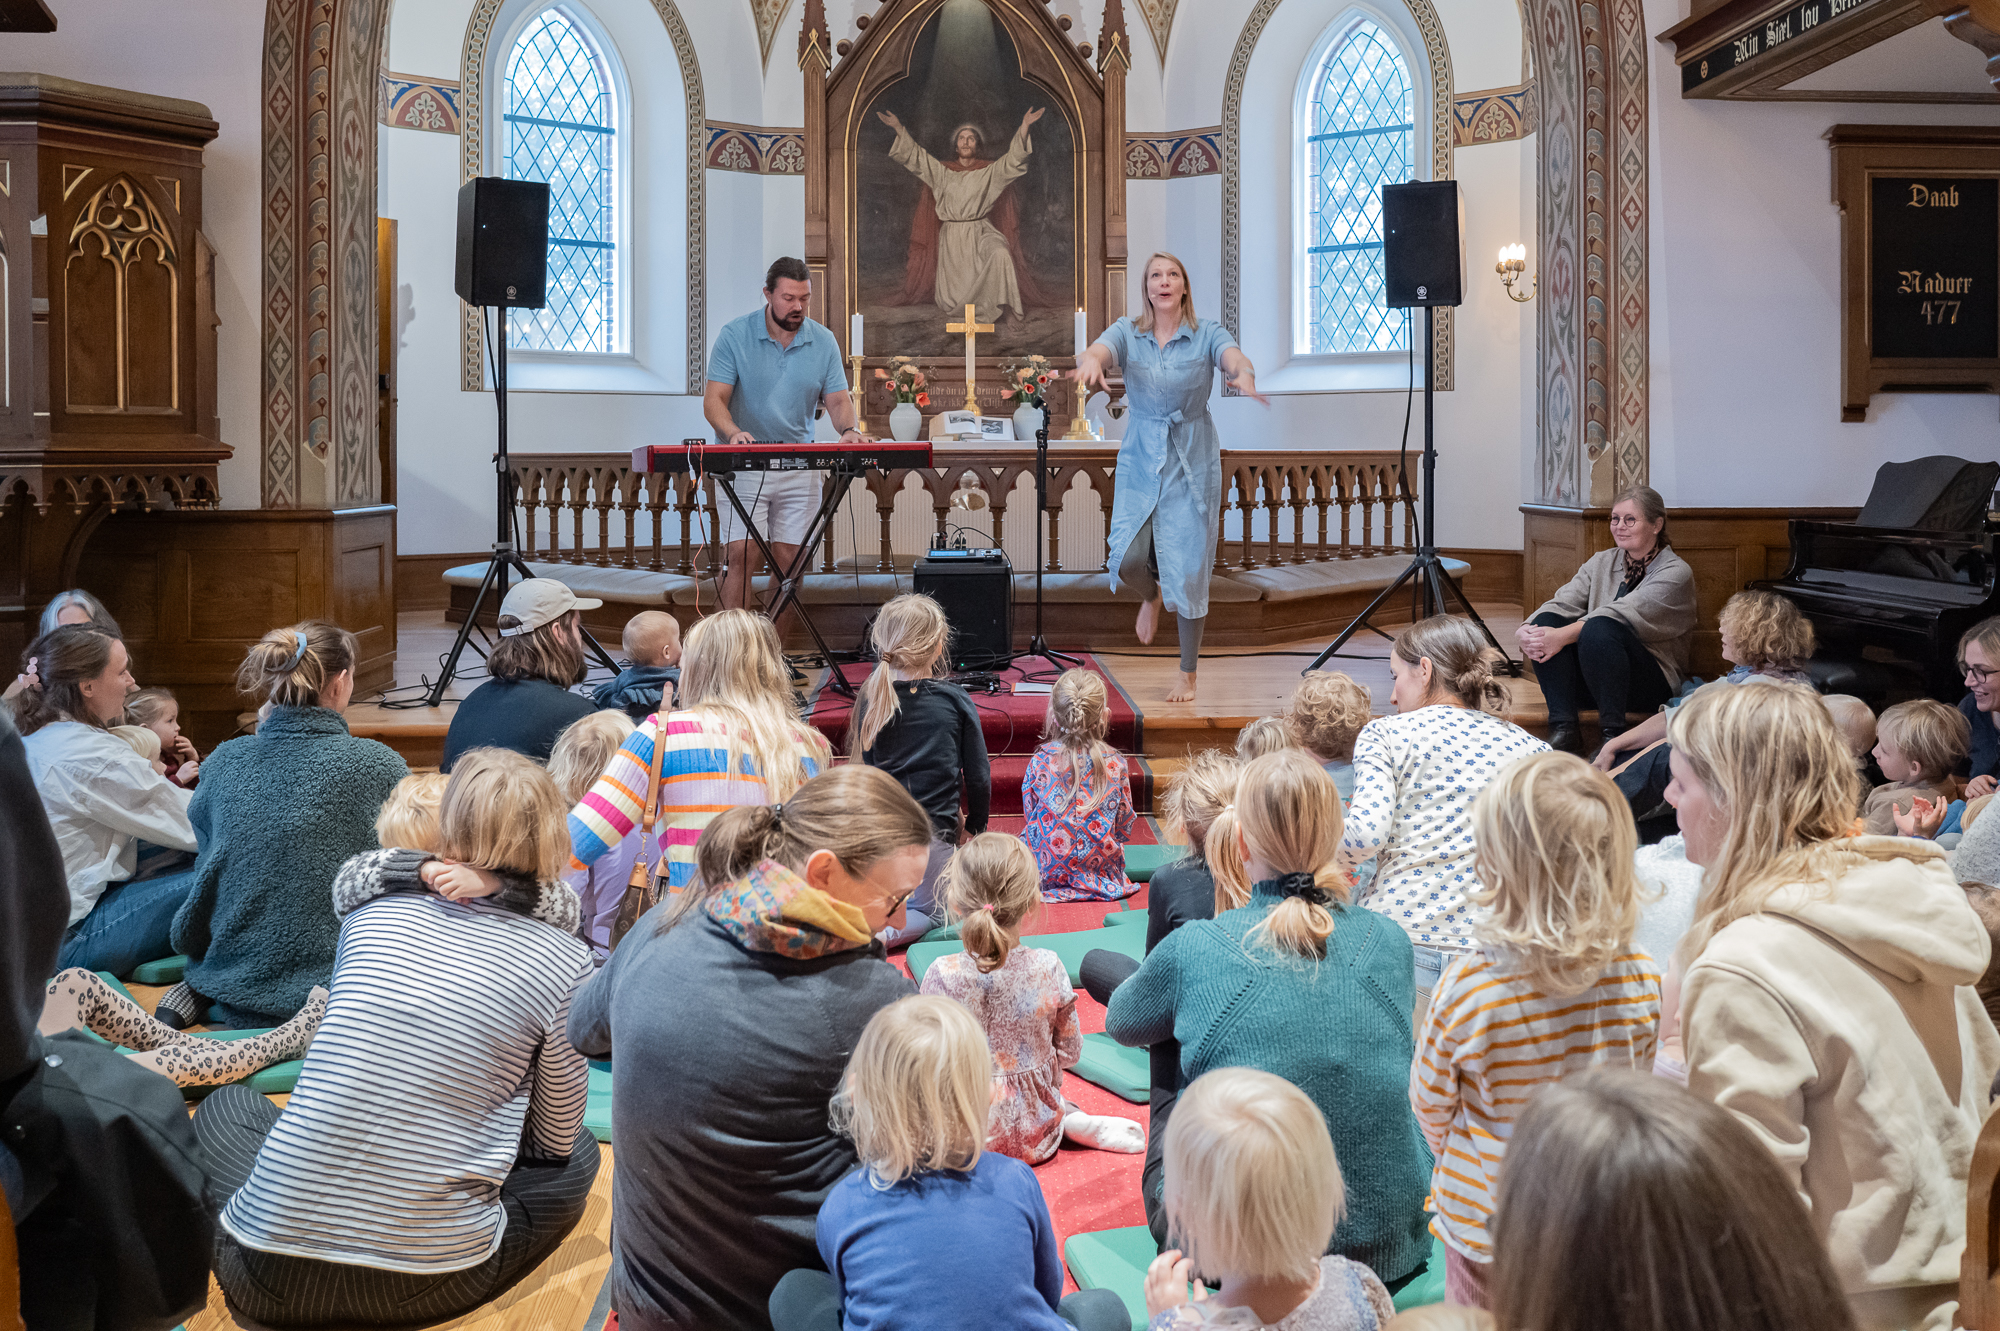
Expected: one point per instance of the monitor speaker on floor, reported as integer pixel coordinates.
(503, 243)
(976, 589)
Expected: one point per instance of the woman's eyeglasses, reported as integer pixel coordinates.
(1977, 674)
(1625, 519)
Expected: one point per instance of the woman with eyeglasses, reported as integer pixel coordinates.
(729, 1020)
(1979, 662)
(1616, 635)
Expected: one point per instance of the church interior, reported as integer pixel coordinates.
(488, 488)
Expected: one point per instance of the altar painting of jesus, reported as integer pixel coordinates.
(965, 240)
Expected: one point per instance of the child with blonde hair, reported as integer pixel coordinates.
(1076, 796)
(409, 817)
(1555, 986)
(1021, 997)
(581, 754)
(1917, 745)
(1267, 734)
(652, 643)
(1327, 712)
(160, 712)
(925, 732)
(1254, 1194)
(914, 1101)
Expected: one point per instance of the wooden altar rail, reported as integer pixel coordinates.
(1342, 505)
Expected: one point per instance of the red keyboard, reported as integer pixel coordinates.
(702, 455)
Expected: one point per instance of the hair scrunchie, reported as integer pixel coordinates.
(777, 817)
(297, 656)
(1305, 887)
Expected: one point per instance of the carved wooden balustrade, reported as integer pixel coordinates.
(1278, 507)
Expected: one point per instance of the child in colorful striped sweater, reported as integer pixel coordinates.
(735, 741)
(1555, 986)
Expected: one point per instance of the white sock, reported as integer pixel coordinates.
(1105, 1133)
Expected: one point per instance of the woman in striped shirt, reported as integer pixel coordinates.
(434, 1150)
(736, 741)
(1556, 986)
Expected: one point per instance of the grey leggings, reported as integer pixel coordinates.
(1140, 570)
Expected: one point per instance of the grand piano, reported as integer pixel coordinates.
(1890, 594)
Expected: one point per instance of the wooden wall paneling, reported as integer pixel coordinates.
(194, 588)
(1727, 548)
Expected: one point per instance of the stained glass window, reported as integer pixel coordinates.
(1360, 137)
(560, 128)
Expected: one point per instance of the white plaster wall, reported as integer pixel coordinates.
(1745, 305)
(208, 51)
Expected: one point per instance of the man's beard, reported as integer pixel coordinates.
(790, 322)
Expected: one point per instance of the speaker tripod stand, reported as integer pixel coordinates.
(1433, 579)
(1038, 646)
(505, 558)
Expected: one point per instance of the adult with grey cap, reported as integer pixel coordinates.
(526, 701)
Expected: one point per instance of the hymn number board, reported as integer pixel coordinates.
(1934, 267)
(1920, 259)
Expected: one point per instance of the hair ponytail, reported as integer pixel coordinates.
(990, 886)
(292, 667)
(909, 635)
(1079, 717)
(1225, 862)
(1289, 811)
(63, 659)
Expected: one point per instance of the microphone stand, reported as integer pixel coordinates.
(1039, 645)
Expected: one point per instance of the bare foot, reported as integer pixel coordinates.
(1184, 690)
(1149, 621)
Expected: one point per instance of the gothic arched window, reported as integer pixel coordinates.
(560, 126)
(1360, 136)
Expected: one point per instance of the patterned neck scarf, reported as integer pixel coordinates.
(772, 909)
(1635, 569)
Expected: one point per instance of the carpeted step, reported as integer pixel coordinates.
(1011, 722)
(1010, 770)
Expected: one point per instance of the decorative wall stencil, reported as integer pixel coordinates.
(1497, 115)
(755, 150)
(1590, 90)
(767, 13)
(1159, 21)
(472, 141)
(1173, 154)
(321, 95)
(413, 102)
(1437, 55)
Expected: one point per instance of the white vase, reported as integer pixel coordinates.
(904, 422)
(1027, 420)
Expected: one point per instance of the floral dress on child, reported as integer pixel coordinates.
(1079, 846)
(1028, 1011)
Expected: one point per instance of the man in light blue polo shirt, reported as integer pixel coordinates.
(768, 372)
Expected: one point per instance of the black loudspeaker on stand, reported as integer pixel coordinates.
(503, 260)
(1423, 265)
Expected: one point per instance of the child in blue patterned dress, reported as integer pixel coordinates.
(1076, 796)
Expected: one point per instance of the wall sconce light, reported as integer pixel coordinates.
(1514, 262)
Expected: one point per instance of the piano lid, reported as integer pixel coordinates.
(1952, 568)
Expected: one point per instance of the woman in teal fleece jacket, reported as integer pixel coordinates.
(276, 815)
(1300, 984)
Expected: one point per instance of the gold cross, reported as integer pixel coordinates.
(971, 328)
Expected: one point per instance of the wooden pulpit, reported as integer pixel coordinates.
(107, 324)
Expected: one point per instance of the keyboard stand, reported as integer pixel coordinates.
(789, 582)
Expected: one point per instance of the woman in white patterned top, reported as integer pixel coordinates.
(1415, 776)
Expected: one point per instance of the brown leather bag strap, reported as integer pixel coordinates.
(653, 778)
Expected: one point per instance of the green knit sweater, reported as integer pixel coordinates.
(1339, 1030)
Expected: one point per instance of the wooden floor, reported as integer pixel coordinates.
(1236, 686)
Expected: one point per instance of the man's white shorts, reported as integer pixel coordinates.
(782, 504)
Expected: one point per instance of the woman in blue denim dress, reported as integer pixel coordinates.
(1169, 500)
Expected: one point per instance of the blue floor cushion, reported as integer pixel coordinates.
(1070, 947)
(1140, 861)
(1114, 1259)
(1126, 1073)
(597, 1102)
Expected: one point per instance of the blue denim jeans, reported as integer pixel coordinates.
(128, 925)
(1430, 968)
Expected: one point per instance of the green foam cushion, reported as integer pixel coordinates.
(1114, 1259)
(1070, 947)
(167, 970)
(117, 984)
(1126, 1073)
(1140, 861)
(597, 1102)
(1427, 1288)
(1125, 918)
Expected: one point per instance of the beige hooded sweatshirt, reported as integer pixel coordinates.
(1841, 1025)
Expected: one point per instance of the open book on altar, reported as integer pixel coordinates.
(967, 425)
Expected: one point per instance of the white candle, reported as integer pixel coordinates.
(854, 335)
(1082, 341)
